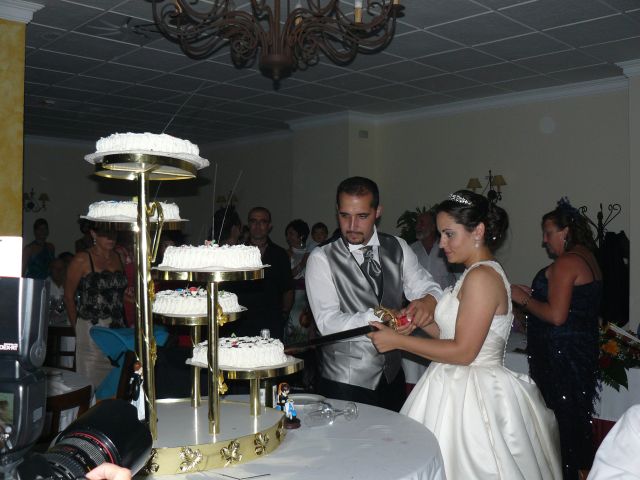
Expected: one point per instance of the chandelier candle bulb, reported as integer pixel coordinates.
(358, 11)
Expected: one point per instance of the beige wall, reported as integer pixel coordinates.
(12, 36)
(576, 147)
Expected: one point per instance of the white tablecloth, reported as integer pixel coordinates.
(378, 445)
(61, 381)
(612, 404)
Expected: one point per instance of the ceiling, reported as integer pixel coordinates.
(95, 67)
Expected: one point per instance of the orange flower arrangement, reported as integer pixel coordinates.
(619, 351)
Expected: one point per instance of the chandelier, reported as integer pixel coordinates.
(283, 38)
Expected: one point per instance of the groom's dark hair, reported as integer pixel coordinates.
(359, 186)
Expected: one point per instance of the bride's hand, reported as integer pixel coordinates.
(384, 339)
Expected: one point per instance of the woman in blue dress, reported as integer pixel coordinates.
(562, 331)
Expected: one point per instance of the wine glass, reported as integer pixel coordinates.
(326, 414)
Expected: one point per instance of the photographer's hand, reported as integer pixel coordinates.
(109, 471)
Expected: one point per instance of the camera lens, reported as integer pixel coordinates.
(109, 432)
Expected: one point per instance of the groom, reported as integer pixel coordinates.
(346, 278)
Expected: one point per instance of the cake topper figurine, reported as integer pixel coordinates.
(285, 404)
(135, 390)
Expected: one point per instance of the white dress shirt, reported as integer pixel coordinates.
(323, 298)
(435, 263)
(618, 457)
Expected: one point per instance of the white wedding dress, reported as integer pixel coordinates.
(491, 423)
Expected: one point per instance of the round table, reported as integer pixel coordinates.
(378, 445)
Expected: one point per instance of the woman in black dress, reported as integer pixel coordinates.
(562, 331)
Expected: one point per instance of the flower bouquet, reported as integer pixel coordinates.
(619, 351)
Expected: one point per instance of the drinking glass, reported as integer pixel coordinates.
(326, 414)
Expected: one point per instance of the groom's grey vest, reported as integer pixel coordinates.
(358, 362)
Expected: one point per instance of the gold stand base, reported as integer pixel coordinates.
(184, 444)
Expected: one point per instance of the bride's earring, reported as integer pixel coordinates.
(94, 240)
(477, 243)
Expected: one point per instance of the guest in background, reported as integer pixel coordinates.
(562, 330)
(227, 226)
(56, 279)
(489, 421)
(296, 233)
(268, 301)
(97, 277)
(37, 256)
(319, 234)
(85, 241)
(429, 254)
(124, 248)
(66, 257)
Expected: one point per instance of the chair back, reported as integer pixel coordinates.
(56, 352)
(57, 404)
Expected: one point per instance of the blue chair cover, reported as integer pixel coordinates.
(114, 342)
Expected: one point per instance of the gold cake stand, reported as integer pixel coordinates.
(213, 278)
(194, 323)
(185, 446)
(141, 168)
(254, 375)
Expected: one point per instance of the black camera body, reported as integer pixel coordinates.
(108, 432)
(23, 340)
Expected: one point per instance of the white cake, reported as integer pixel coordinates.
(192, 301)
(243, 352)
(129, 210)
(187, 257)
(131, 142)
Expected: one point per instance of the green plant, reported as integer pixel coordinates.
(407, 223)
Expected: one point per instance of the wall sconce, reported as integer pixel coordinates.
(495, 182)
(30, 204)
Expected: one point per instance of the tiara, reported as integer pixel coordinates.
(459, 199)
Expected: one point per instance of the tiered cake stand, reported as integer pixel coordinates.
(143, 167)
(213, 279)
(188, 438)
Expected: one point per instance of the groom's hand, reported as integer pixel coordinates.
(420, 312)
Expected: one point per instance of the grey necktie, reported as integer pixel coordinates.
(372, 269)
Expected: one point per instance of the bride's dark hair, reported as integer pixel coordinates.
(469, 209)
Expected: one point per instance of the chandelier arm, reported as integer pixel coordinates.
(217, 9)
(316, 8)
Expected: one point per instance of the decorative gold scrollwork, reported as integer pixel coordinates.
(386, 316)
(231, 453)
(190, 458)
(153, 351)
(281, 432)
(260, 443)
(222, 387)
(221, 317)
(151, 466)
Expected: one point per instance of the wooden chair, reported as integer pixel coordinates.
(55, 352)
(56, 404)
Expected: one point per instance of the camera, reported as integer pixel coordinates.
(108, 432)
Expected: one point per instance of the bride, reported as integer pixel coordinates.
(491, 423)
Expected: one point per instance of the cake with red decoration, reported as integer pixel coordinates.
(243, 352)
(192, 302)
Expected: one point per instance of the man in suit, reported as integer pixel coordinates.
(347, 277)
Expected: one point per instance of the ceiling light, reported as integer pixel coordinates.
(282, 37)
